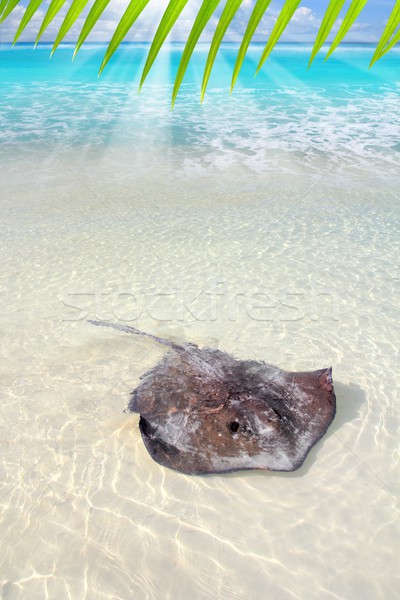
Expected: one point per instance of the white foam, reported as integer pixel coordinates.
(260, 131)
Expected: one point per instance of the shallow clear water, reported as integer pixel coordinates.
(263, 223)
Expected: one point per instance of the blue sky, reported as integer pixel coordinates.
(303, 27)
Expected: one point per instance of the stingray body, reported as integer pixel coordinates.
(203, 411)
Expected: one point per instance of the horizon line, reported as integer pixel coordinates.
(173, 42)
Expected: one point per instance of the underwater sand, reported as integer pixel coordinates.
(282, 254)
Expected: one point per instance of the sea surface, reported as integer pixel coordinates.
(264, 223)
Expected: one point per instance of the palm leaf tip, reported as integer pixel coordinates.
(281, 23)
(389, 34)
(131, 14)
(27, 16)
(203, 16)
(168, 20)
(95, 13)
(350, 17)
(53, 9)
(225, 20)
(258, 12)
(329, 18)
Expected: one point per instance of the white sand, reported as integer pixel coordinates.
(299, 271)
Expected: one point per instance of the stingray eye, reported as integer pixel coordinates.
(234, 426)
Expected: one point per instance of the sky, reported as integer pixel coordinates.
(303, 27)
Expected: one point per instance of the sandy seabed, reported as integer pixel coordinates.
(296, 267)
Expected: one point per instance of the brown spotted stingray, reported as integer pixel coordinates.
(203, 411)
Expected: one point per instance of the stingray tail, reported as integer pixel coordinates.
(129, 329)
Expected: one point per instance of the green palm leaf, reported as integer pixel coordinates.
(168, 20)
(28, 14)
(11, 4)
(128, 18)
(391, 26)
(332, 13)
(203, 16)
(54, 8)
(282, 21)
(259, 10)
(395, 40)
(353, 11)
(73, 13)
(230, 9)
(3, 4)
(94, 14)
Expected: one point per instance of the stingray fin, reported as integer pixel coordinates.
(129, 329)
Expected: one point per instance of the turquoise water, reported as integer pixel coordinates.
(333, 110)
(287, 65)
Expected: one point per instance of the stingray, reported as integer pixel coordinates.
(203, 411)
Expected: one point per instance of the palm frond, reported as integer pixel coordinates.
(388, 39)
(391, 26)
(2, 6)
(282, 21)
(259, 11)
(28, 14)
(73, 13)
(227, 15)
(54, 7)
(332, 13)
(203, 16)
(395, 40)
(8, 8)
(168, 20)
(94, 15)
(128, 19)
(352, 13)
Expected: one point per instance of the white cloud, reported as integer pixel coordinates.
(305, 19)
